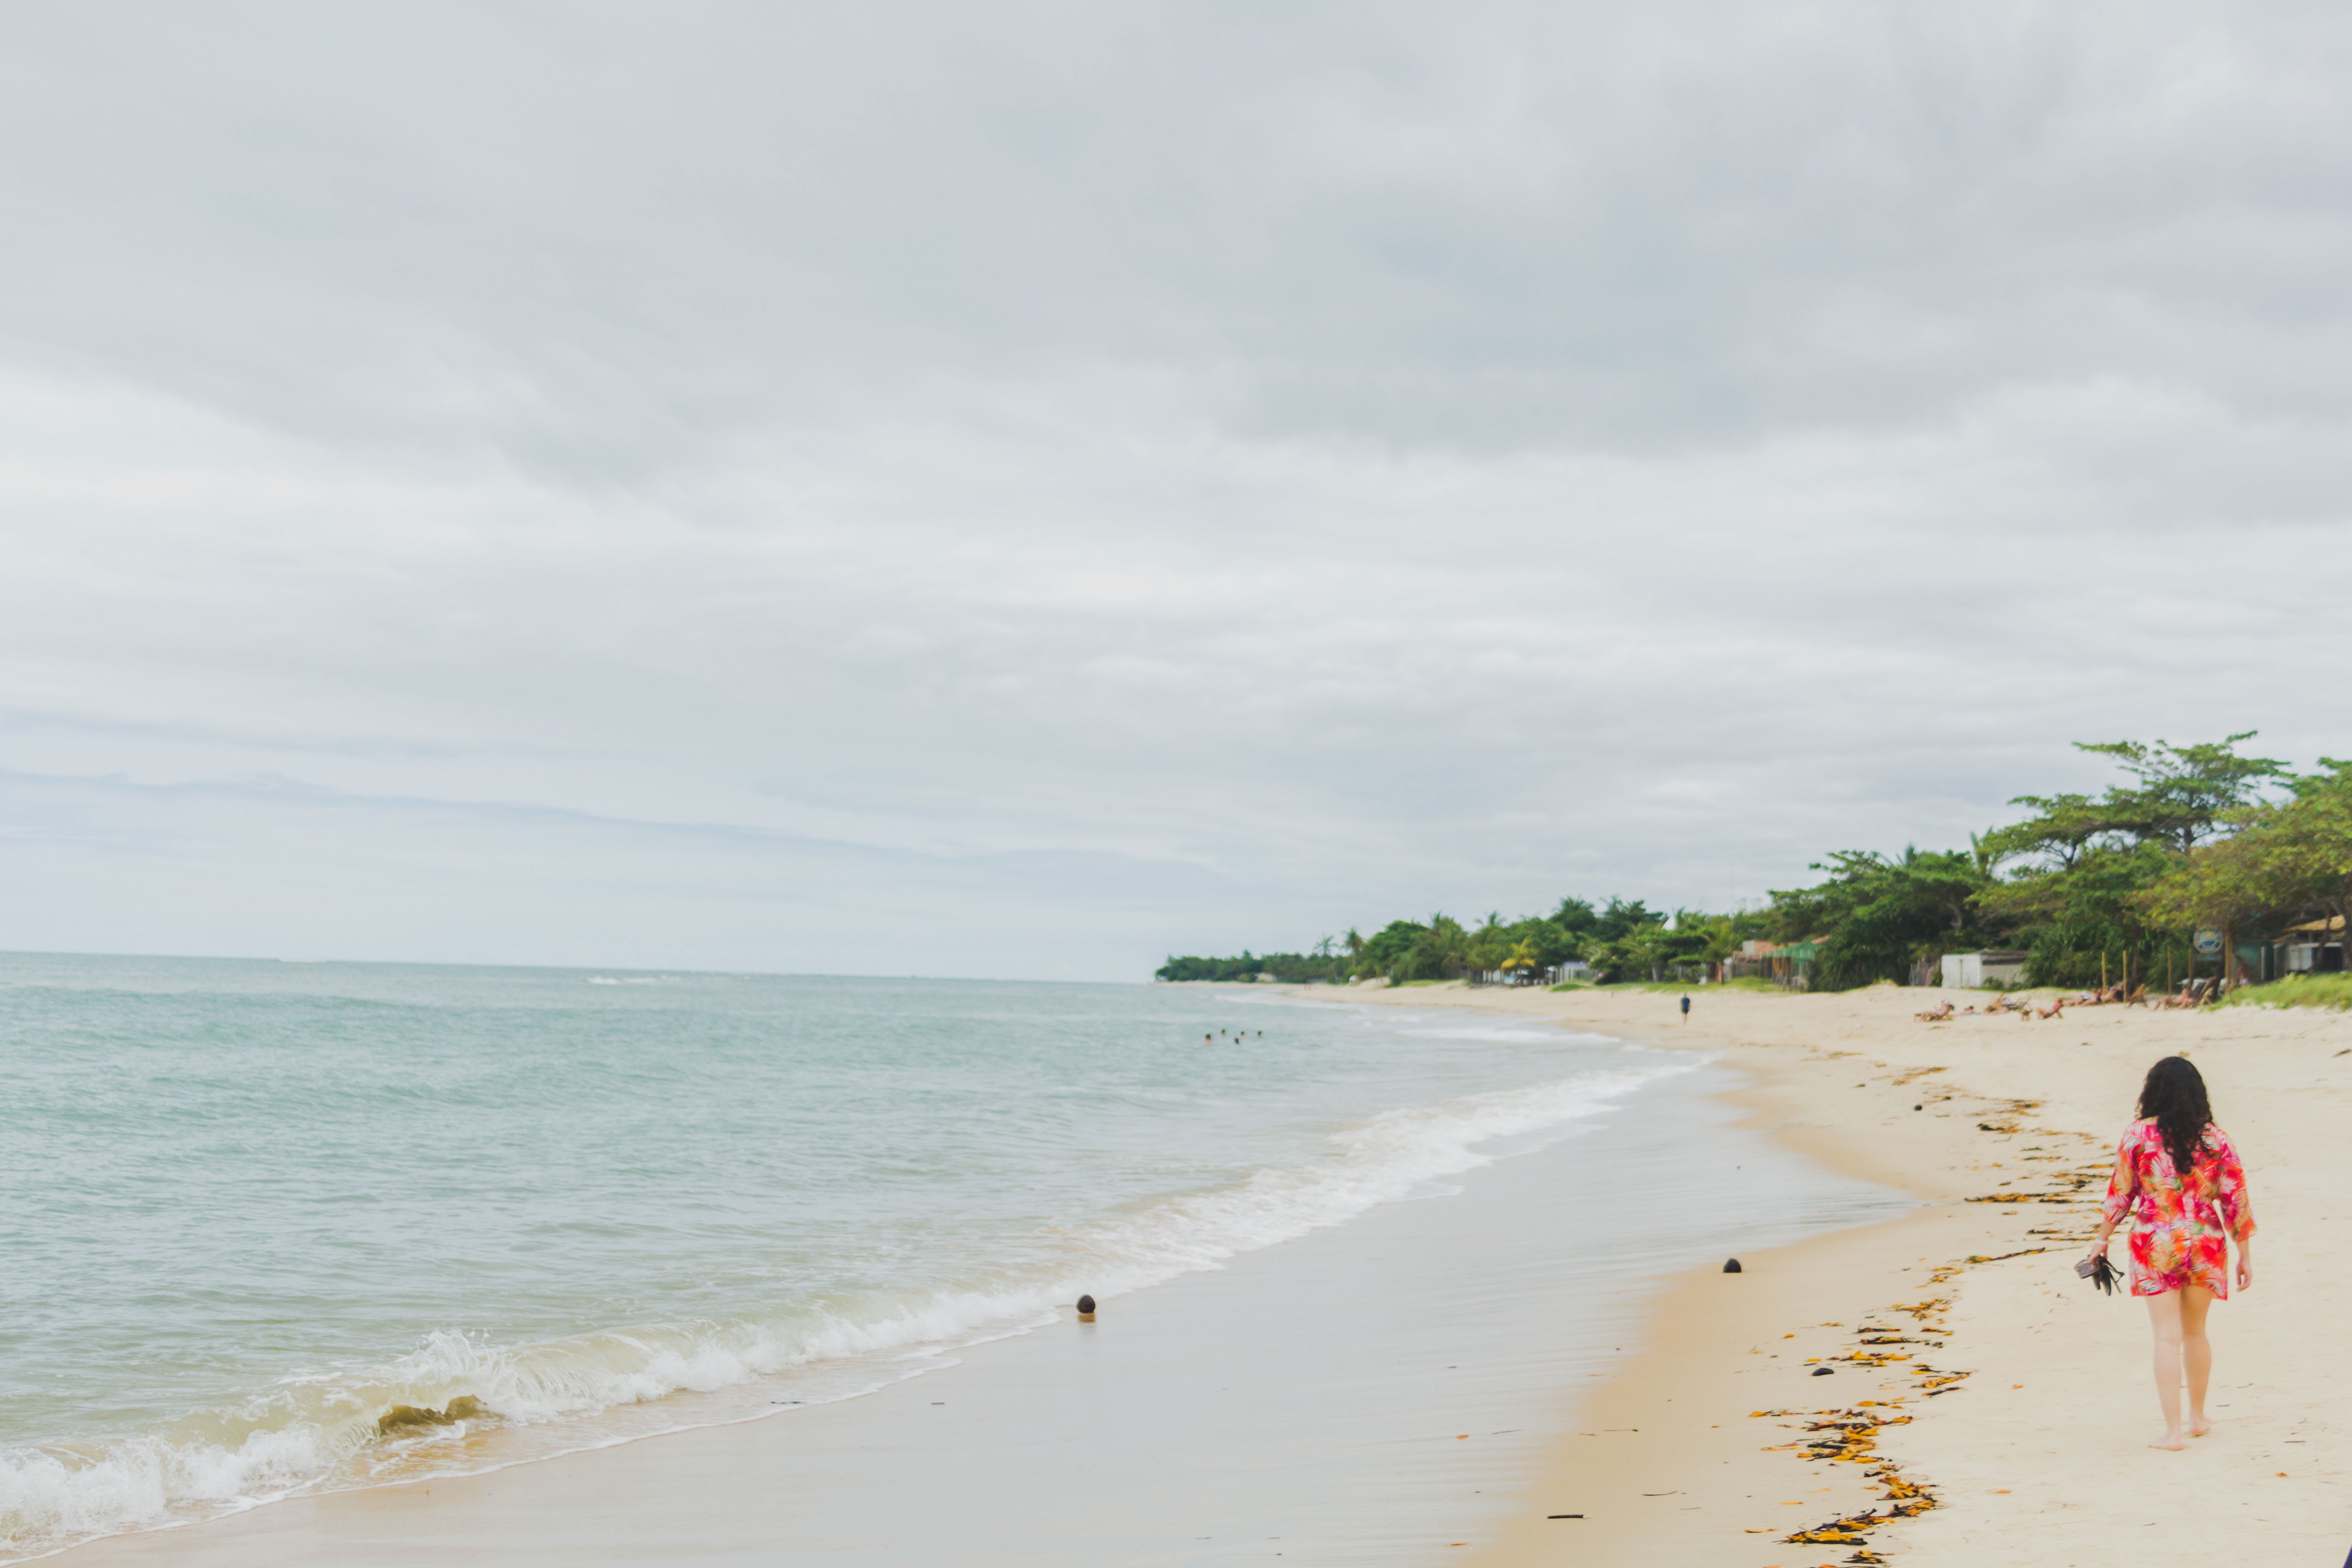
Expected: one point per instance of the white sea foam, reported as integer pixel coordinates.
(321, 1432)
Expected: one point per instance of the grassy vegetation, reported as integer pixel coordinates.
(2296, 991)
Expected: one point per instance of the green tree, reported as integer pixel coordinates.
(2078, 896)
(2185, 792)
(2286, 859)
(1489, 944)
(1717, 937)
(1875, 916)
(1635, 952)
(1386, 948)
(1575, 918)
(2224, 884)
(1442, 951)
(2309, 841)
(2071, 918)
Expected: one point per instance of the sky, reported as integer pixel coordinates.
(1022, 490)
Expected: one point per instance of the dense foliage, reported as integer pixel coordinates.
(2090, 888)
(1620, 940)
(1290, 968)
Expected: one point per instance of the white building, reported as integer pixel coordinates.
(2313, 947)
(1976, 970)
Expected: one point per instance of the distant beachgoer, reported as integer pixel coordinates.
(2181, 1228)
(1686, 1009)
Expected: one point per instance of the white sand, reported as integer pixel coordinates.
(2040, 1459)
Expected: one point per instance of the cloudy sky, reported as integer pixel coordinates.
(1020, 489)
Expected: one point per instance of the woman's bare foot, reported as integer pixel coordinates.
(2199, 1427)
(2170, 1440)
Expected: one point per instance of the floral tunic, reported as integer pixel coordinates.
(2177, 1229)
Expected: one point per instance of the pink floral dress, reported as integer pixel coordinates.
(2177, 1229)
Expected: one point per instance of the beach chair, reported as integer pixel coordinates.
(2191, 995)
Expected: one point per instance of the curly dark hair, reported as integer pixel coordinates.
(2174, 1098)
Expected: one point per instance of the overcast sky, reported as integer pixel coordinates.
(1020, 489)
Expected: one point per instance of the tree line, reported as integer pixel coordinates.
(1618, 937)
(2092, 888)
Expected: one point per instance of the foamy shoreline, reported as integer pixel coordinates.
(2037, 1456)
(820, 1239)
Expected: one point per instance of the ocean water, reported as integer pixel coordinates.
(253, 1209)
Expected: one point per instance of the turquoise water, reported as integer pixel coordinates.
(253, 1208)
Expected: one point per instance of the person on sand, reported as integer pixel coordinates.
(2179, 1180)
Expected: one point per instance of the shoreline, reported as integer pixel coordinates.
(2036, 1455)
(1370, 1391)
(2028, 1444)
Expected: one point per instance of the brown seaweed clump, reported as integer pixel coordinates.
(407, 1420)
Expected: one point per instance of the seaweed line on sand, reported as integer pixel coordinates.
(1850, 1436)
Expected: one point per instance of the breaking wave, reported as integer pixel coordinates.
(409, 1417)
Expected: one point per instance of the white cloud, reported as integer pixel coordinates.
(1031, 495)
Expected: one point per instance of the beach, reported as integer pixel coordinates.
(1437, 1378)
(2037, 1455)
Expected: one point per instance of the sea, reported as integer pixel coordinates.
(273, 1229)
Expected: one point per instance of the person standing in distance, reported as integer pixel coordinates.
(1686, 1009)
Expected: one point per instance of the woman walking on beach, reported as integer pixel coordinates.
(2179, 1180)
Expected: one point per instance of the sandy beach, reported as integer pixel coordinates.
(1974, 1382)
(2036, 1454)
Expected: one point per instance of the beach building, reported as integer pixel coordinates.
(1525, 975)
(2315, 947)
(1976, 971)
(1789, 963)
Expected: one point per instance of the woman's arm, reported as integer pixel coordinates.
(2120, 1187)
(2236, 1209)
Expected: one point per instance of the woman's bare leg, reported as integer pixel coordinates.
(2164, 1317)
(2196, 1354)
